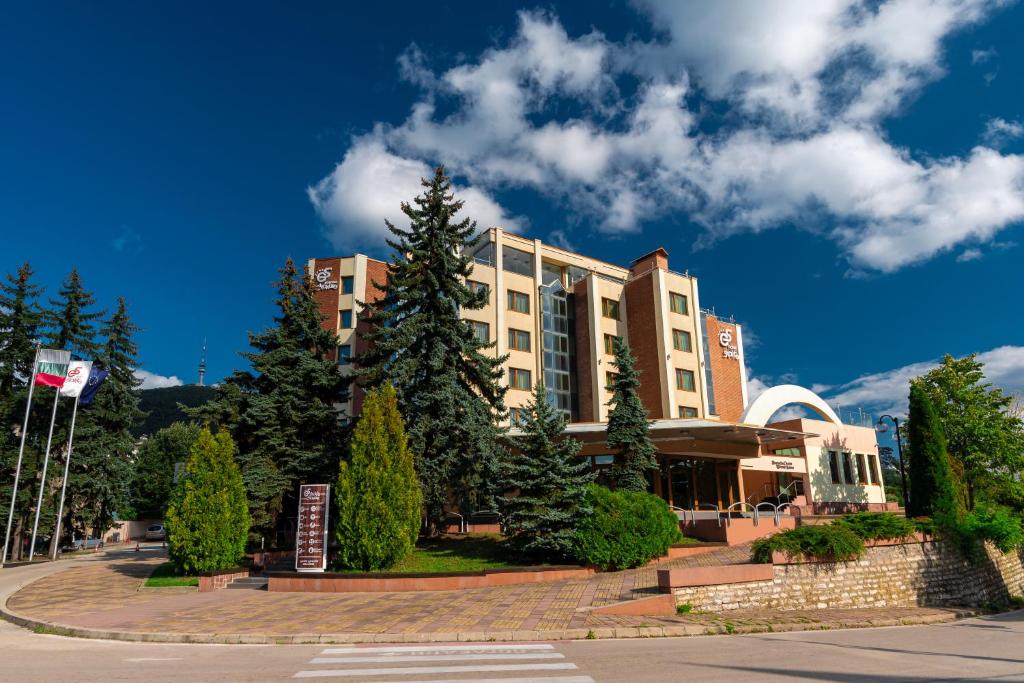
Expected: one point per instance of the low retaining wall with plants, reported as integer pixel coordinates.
(898, 575)
(296, 582)
(215, 581)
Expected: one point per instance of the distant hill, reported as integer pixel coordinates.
(162, 405)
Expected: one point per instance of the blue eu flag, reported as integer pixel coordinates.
(96, 377)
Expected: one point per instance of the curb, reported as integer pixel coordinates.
(602, 633)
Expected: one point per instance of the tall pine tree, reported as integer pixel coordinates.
(71, 322)
(933, 485)
(546, 484)
(628, 426)
(448, 388)
(283, 413)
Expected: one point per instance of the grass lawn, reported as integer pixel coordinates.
(164, 576)
(472, 552)
(688, 540)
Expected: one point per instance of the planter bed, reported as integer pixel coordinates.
(383, 582)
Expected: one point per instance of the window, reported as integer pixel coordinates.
(576, 274)
(477, 287)
(873, 461)
(685, 380)
(787, 451)
(609, 344)
(609, 381)
(833, 466)
(344, 354)
(517, 416)
(346, 285)
(687, 411)
(346, 319)
(550, 272)
(519, 379)
(482, 331)
(518, 302)
(848, 468)
(484, 255)
(516, 261)
(681, 340)
(862, 470)
(610, 308)
(678, 303)
(518, 340)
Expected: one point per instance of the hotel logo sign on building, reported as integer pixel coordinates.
(323, 279)
(729, 350)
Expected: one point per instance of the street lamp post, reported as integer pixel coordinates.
(881, 428)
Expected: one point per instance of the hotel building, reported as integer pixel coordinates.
(556, 314)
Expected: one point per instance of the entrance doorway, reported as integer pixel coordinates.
(691, 483)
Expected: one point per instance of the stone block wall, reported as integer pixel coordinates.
(932, 574)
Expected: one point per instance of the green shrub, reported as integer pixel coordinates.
(924, 525)
(820, 542)
(995, 524)
(684, 608)
(626, 529)
(877, 526)
(208, 518)
(379, 499)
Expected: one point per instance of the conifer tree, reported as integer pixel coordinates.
(628, 426)
(153, 472)
(71, 322)
(933, 488)
(448, 388)
(282, 413)
(545, 484)
(208, 518)
(20, 320)
(378, 498)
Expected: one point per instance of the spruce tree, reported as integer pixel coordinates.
(101, 468)
(545, 484)
(933, 487)
(628, 426)
(378, 498)
(20, 320)
(283, 413)
(448, 388)
(71, 322)
(153, 475)
(208, 518)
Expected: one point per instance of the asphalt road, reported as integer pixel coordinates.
(989, 648)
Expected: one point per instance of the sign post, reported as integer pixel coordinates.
(311, 537)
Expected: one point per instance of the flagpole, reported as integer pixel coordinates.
(42, 484)
(21, 452)
(64, 485)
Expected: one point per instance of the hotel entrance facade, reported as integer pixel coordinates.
(721, 462)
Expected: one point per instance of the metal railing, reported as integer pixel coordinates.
(680, 513)
(741, 504)
(705, 506)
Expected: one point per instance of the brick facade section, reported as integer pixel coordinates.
(725, 373)
(642, 327)
(656, 260)
(327, 299)
(584, 359)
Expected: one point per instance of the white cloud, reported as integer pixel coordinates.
(152, 380)
(969, 255)
(1000, 131)
(809, 84)
(983, 56)
(886, 392)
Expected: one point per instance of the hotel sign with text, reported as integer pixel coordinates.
(729, 350)
(311, 537)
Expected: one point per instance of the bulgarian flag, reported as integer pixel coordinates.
(52, 367)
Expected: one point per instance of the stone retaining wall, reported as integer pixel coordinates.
(931, 574)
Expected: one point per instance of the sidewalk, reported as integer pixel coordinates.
(105, 599)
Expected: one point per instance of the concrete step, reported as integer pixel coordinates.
(257, 583)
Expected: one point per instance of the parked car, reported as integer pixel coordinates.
(156, 532)
(90, 543)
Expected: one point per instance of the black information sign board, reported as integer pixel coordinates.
(311, 538)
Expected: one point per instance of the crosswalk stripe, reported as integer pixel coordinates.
(435, 648)
(408, 670)
(454, 656)
(531, 679)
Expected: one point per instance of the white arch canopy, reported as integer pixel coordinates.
(776, 398)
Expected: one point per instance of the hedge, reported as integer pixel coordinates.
(829, 542)
(877, 526)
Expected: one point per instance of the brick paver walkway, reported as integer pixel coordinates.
(110, 596)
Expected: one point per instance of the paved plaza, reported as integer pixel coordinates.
(109, 596)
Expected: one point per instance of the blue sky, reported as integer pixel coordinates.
(846, 178)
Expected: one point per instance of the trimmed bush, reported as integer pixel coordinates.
(829, 542)
(208, 518)
(877, 526)
(379, 499)
(626, 529)
(995, 524)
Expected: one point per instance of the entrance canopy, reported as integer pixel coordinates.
(707, 438)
